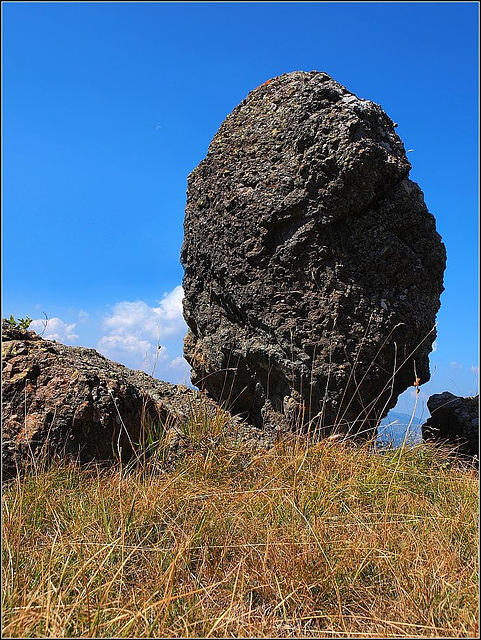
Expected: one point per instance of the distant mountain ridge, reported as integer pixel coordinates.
(393, 429)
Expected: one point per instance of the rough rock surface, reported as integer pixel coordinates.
(313, 269)
(454, 421)
(75, 402)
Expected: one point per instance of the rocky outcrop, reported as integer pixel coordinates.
(454, 422)
(313, 269)
(73, 402)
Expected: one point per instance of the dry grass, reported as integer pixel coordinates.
(322, 540)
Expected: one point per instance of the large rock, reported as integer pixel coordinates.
(313, 269)
(454, 422)
(74, 402)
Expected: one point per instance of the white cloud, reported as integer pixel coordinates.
(422, 394)
(83, 316)
(130, 344)
(155, 323)
(455, 365)
(134, 352)
(54, 329)
(180, 369)
(134, 331)
(434, 348)
(474, 370)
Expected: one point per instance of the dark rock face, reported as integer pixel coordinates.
(454, 421)
(313, 269)
(75, 402)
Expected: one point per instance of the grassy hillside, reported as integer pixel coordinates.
(311, 540)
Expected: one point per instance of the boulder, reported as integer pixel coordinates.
(312, 267)
(454, 422)
(75, 402)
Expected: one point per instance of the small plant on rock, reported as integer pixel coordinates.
(21, 323)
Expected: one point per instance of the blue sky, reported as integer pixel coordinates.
(107, 107)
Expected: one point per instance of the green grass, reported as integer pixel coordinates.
(310, 540)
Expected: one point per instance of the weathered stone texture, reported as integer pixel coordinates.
(313, 269)
(454, 422)
(74, 402)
